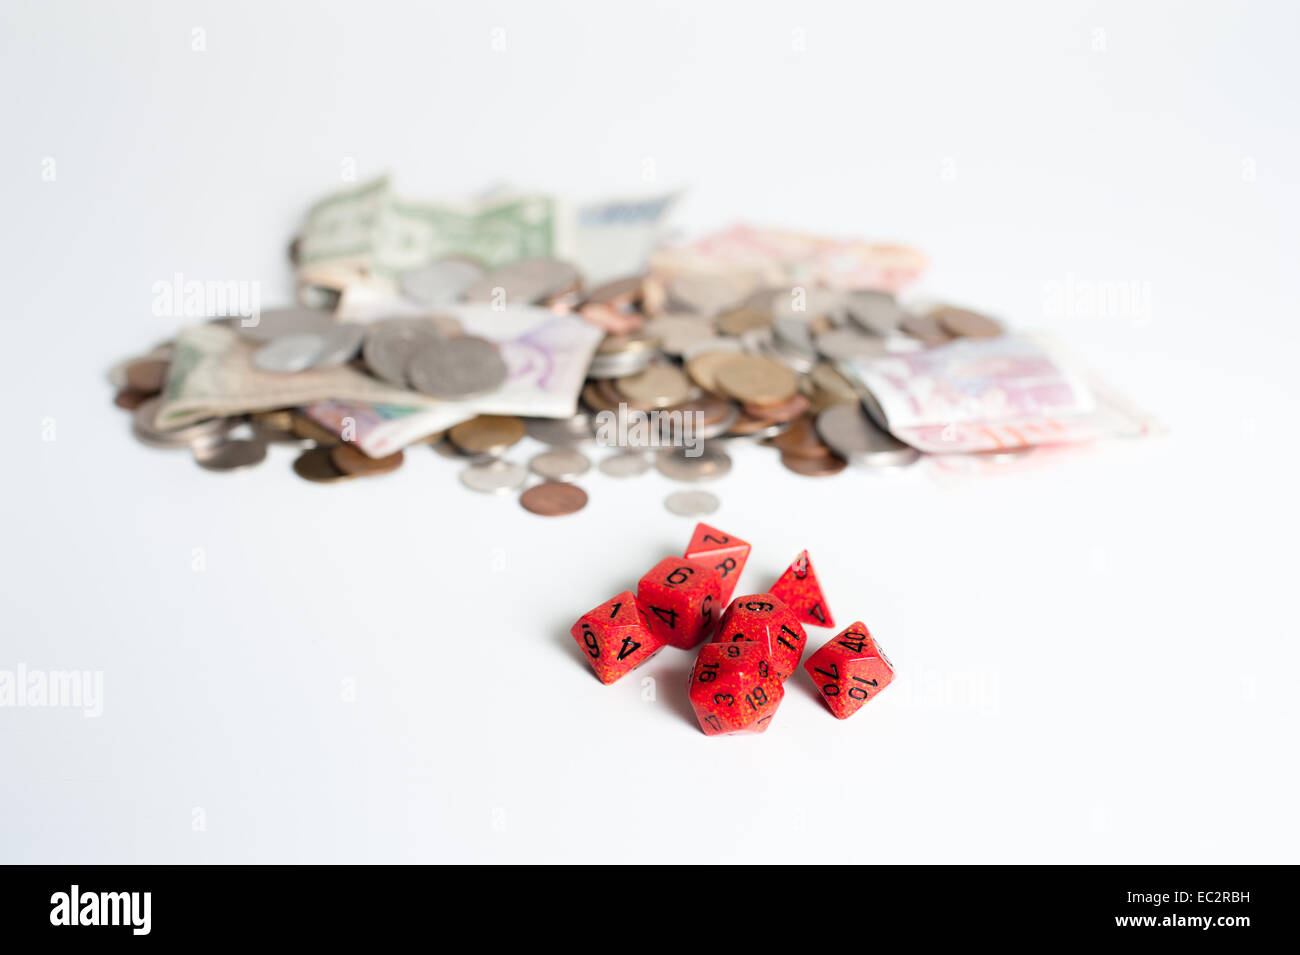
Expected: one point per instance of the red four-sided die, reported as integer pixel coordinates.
(725, 553)
(849, 670)
(734, 689)
(680, 598)
(768, 622)
(799, 588)
(616, 637)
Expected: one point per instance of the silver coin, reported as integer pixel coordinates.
(850, 433)
(877, 312)
(494, 477)
(457, 368)
(448, 450)
(719, 427)
(621, 365)
(625, 464)
(809, 303)
(673, 463)
(560, 432)
(289, 353)
(230, 454)
(341, 345)
(721, 343)
(524, 281)
(691, 503)
(279, 322)
(439, 282)
(145, 428)
(390, 343)
(844, 344)
(560, 464)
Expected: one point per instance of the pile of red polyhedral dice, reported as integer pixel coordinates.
(755, 645)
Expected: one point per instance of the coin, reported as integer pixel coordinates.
(845, 344)
(305, 427)
(341, 344)
(560, 464)
(851, 433)
(440, 282)
(147, 375)
(827, 378)
(659, 386)
(925, 329)
(524, 281)
(316, 465)
(457, 368)
(964, 323)
(289, 353)
(279, 322)
(677, 333)
(814, 467)
(877, 312)
(814, 305)
(618, 293)
(554, 499)
(703, 368)
(494, 477)
(145, 428)
(708, 294)
(754, 378)
(779, 411)
(716, 415)
(130, 399)
(744, 320)
(352, 460)
(691, 503)
(486, 434)
(230, 454)
(625, 464)
(800, 440)
(389, 343)
(560, 431)
(710, 465)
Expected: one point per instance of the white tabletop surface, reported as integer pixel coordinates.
(1096, 657)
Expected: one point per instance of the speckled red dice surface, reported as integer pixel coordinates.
(616, 637)
(725, 553)
(767, 621)
(680, 598)
(799, 588)
(849, 670)
(734, 689)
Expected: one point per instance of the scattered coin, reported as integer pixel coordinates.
(130, 399)
(814, 467)
(340, 345)
(230, 454)
(709, 294)
(494, 476)
(144, 427)
(845, 344)
(560, 431)
(457, 368)
(279, 322)
(390, 343)
(308, 429)
(560, 464)
(625, 464)
(755, 379)
(659, 386)
(675, 464)
(554, 499)
(316, 465)
(964, 323)
(440, 282)
(744, 320)
(925, 329)
(877, 312)
(524, 281)
(851, 433)
(691, 503)
(800, 440)
(352, 460)
(289, 353)
(778, 411)
(486, 434)
(620, 293)
(147, 375)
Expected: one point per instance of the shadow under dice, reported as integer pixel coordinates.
(767, 621)
(616, 637)
(849, 670)
(680, 598)
(725, 553)
(734, 688)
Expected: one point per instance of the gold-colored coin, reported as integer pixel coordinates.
(753, 378)
(281, 420)
(352, 460)
(703, 368)
(659, 386)
(487, 434)
(744, 320)
(825, 378)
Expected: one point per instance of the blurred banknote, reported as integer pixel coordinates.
(546, 357)
(990, 395)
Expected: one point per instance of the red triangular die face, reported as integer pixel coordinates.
(799, 588)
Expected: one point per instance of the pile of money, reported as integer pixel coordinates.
(469, 330)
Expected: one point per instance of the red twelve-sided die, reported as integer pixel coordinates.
(680, 598)
(734, 689)
(849, 670)
(767, 621)
(616, 637)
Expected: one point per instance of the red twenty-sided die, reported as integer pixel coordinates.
(734, 689)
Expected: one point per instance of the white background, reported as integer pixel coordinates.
(1097, 657)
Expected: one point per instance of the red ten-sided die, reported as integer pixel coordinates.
(768, 622)
(799, 588)
(734, 689)
(616, 637)
(725, 553)
(849, 670)
(680, 598)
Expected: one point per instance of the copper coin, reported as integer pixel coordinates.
(746, 424)
(779, 411)
(966, 324)
(487, 434)
(712, 410)
(305, 427)
(619, 293)
(317, 466)
(147, 374)
(352, 460)
(554, 498)
(925, 329)
(801, 440)
(131, 398)
(814, 467)
(279, 420)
